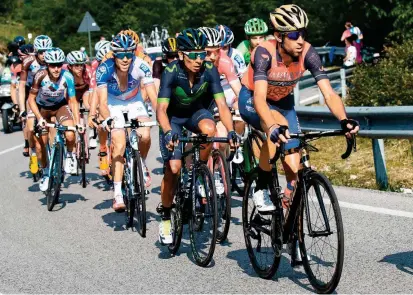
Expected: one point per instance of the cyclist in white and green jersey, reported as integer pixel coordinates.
(255, 29)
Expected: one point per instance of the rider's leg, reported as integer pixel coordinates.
(222, 132)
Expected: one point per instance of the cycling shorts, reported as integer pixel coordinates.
(135, 108)
(177, 125)
(284, 106)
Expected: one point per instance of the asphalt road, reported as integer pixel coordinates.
(83, 247)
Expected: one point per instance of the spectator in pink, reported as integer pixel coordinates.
(358, 43)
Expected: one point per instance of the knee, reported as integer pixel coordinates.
(118, 148)
(146, 137)
(175, 168)
(209, 129)
(70, 136)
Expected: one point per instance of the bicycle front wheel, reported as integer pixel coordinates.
(139, 190)
(82, 160)
(203, 219)
(223, 190)
(321, 234)
(55, 177)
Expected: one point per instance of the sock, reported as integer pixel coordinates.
(166, 215)
(45, 171)
(264, 178)
(26, 143)
(70, 154)
(117, 187)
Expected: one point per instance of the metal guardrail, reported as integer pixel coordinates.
(375, 123)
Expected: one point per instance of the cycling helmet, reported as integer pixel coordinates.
(76, 58)
(100, 44)
(227, 36)
(13, 59)
(212, 35)
(132, 34)
(169, 46)
(255, 26)
(288, 18)
(26, 50)
(102, 52)
(42, 42)
(122, 42)
(20, 40)
(54, 56)
(12, 47)
(191, 39)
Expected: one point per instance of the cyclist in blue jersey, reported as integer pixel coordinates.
(118, 82)
(188, 86)
(47, 99)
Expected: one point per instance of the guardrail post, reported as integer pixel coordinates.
(320, 97)
(297, 94)
(380, 163)
(343, 84)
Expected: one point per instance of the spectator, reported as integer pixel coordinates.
(351, 51)
(102, 38)
(83, 49)
(350, 29)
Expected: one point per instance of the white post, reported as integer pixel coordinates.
(297, 94)
(343, 84)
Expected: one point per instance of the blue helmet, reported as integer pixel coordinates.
(227, 36)
(191, 39)
(122, 42)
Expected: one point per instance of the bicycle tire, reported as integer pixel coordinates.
(266, 227)
(197, 219)
(328, 286)
(55, 177)
(83, 160)
(223, 200)
(139, 186)
(176, 221)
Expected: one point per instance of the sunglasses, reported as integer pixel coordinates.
(295, 35)
(122, 55)
(56, 65)
(194, 55)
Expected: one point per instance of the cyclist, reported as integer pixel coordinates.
(255, 30)
(31, 65)
(187, 85)
(266, 101)
(118, 80)
(170, 53)
(47, 99)
(227, 37)
(229, 80)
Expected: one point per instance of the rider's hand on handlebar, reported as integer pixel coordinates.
(350, 127)
(279, 134)
(169, 140)
(80, 128)
(42, 123)
(108, 123)
(91, 122)
(233, 140)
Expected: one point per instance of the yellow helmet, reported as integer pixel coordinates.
(287, 18)
(132, 34)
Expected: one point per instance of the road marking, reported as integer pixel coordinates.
(367, 208)
(11, 149)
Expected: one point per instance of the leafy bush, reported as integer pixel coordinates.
(388, 83)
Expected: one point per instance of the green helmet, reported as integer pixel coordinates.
(255, 26)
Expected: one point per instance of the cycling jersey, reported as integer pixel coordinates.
(157, 69)
(244, 49)
(183, 100)
(51, 94)
(228, 74)
(266, 64)
(29, 68)
(86, 83)
(238, 60)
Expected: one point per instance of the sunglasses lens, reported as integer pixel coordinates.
(293, 35)
(122, 55)
(202, 55)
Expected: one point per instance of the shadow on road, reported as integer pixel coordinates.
(156, 190)
(157, 171)
(403, 261)
(74, 179)
(64, 199)
(285, 270)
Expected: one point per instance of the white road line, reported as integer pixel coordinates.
(11, 149)
(367, 208)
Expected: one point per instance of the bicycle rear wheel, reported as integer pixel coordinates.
(55, 177)
(321, 234)
(203, 219)
(222, 185)
(139, 190)
(261, 234)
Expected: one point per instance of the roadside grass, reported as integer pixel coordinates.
(358, 169)
(10, 29)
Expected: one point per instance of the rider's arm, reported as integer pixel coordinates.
(153, 96)
(218, 93)
(71, 93)
(33, 93)
(157, 73)
(164, 98)
(313, 63)
(103, 73)
(262, 63)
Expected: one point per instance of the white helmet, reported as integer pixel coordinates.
(54, 56)
(287, 18)
(212, 35)
(102, 52)
(42, 42)
(101, 43)
(76, 58)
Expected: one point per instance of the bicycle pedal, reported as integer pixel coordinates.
(147, 192)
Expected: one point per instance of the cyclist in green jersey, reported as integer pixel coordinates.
(255, 29)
